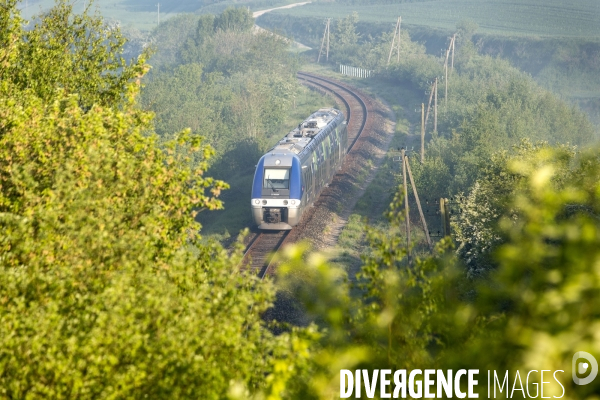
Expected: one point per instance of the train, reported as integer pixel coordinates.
(290, 177)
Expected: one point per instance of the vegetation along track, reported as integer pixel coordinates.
(341, 191)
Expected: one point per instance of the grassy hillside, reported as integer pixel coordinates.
(545, 18)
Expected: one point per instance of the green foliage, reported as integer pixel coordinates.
(234, 19)
(491, 107)
(105, 288)
(304, 30)
(345, 31)
(392, 321)
(533, 312)
(213, 82)
(83, 50)
(476, 227)
(415, 67)
(168, 40)
(465, 29)
(547, 287)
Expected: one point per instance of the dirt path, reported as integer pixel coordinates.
(257, 28)
(257, 14)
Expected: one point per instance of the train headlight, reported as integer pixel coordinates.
(293, 202)
(264, 202)
(256, 201)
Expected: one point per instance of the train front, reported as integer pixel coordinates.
(277, 192)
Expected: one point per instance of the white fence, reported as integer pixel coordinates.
(355, 71)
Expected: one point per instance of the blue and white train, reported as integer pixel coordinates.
(290, 177)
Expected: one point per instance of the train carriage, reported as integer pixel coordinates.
(290, 176)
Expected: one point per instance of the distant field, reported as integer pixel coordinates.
(121, 10)
(544, 18)
(142, 14)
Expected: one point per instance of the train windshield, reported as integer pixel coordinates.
(276, 178)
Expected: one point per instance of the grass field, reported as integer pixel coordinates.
(543, 18)
(142, 14)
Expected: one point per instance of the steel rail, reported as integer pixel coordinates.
(271, 259)
(261, 249)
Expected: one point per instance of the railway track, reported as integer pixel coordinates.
(356, 105)
(258, 256)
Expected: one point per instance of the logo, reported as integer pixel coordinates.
(582, 367)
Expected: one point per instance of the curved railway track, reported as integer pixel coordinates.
(258, 255)
(357, 113)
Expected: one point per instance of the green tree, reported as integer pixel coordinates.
(175, 33)
(345, 38)
(477, 229)
(466, 28)
(83, 50)
(345, 30)
(234, 19)
(542, 300)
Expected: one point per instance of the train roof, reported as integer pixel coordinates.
(299, 138)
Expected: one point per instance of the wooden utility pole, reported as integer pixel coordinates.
(395, 40)
(406, 205)
(445, 214)
(450, 49)
(328, 32)
(429, 105)
(325, 42)
(435, 105)
(446, 79)
(452, 44)
(412, 183)
(399, 25)
(422, 133)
